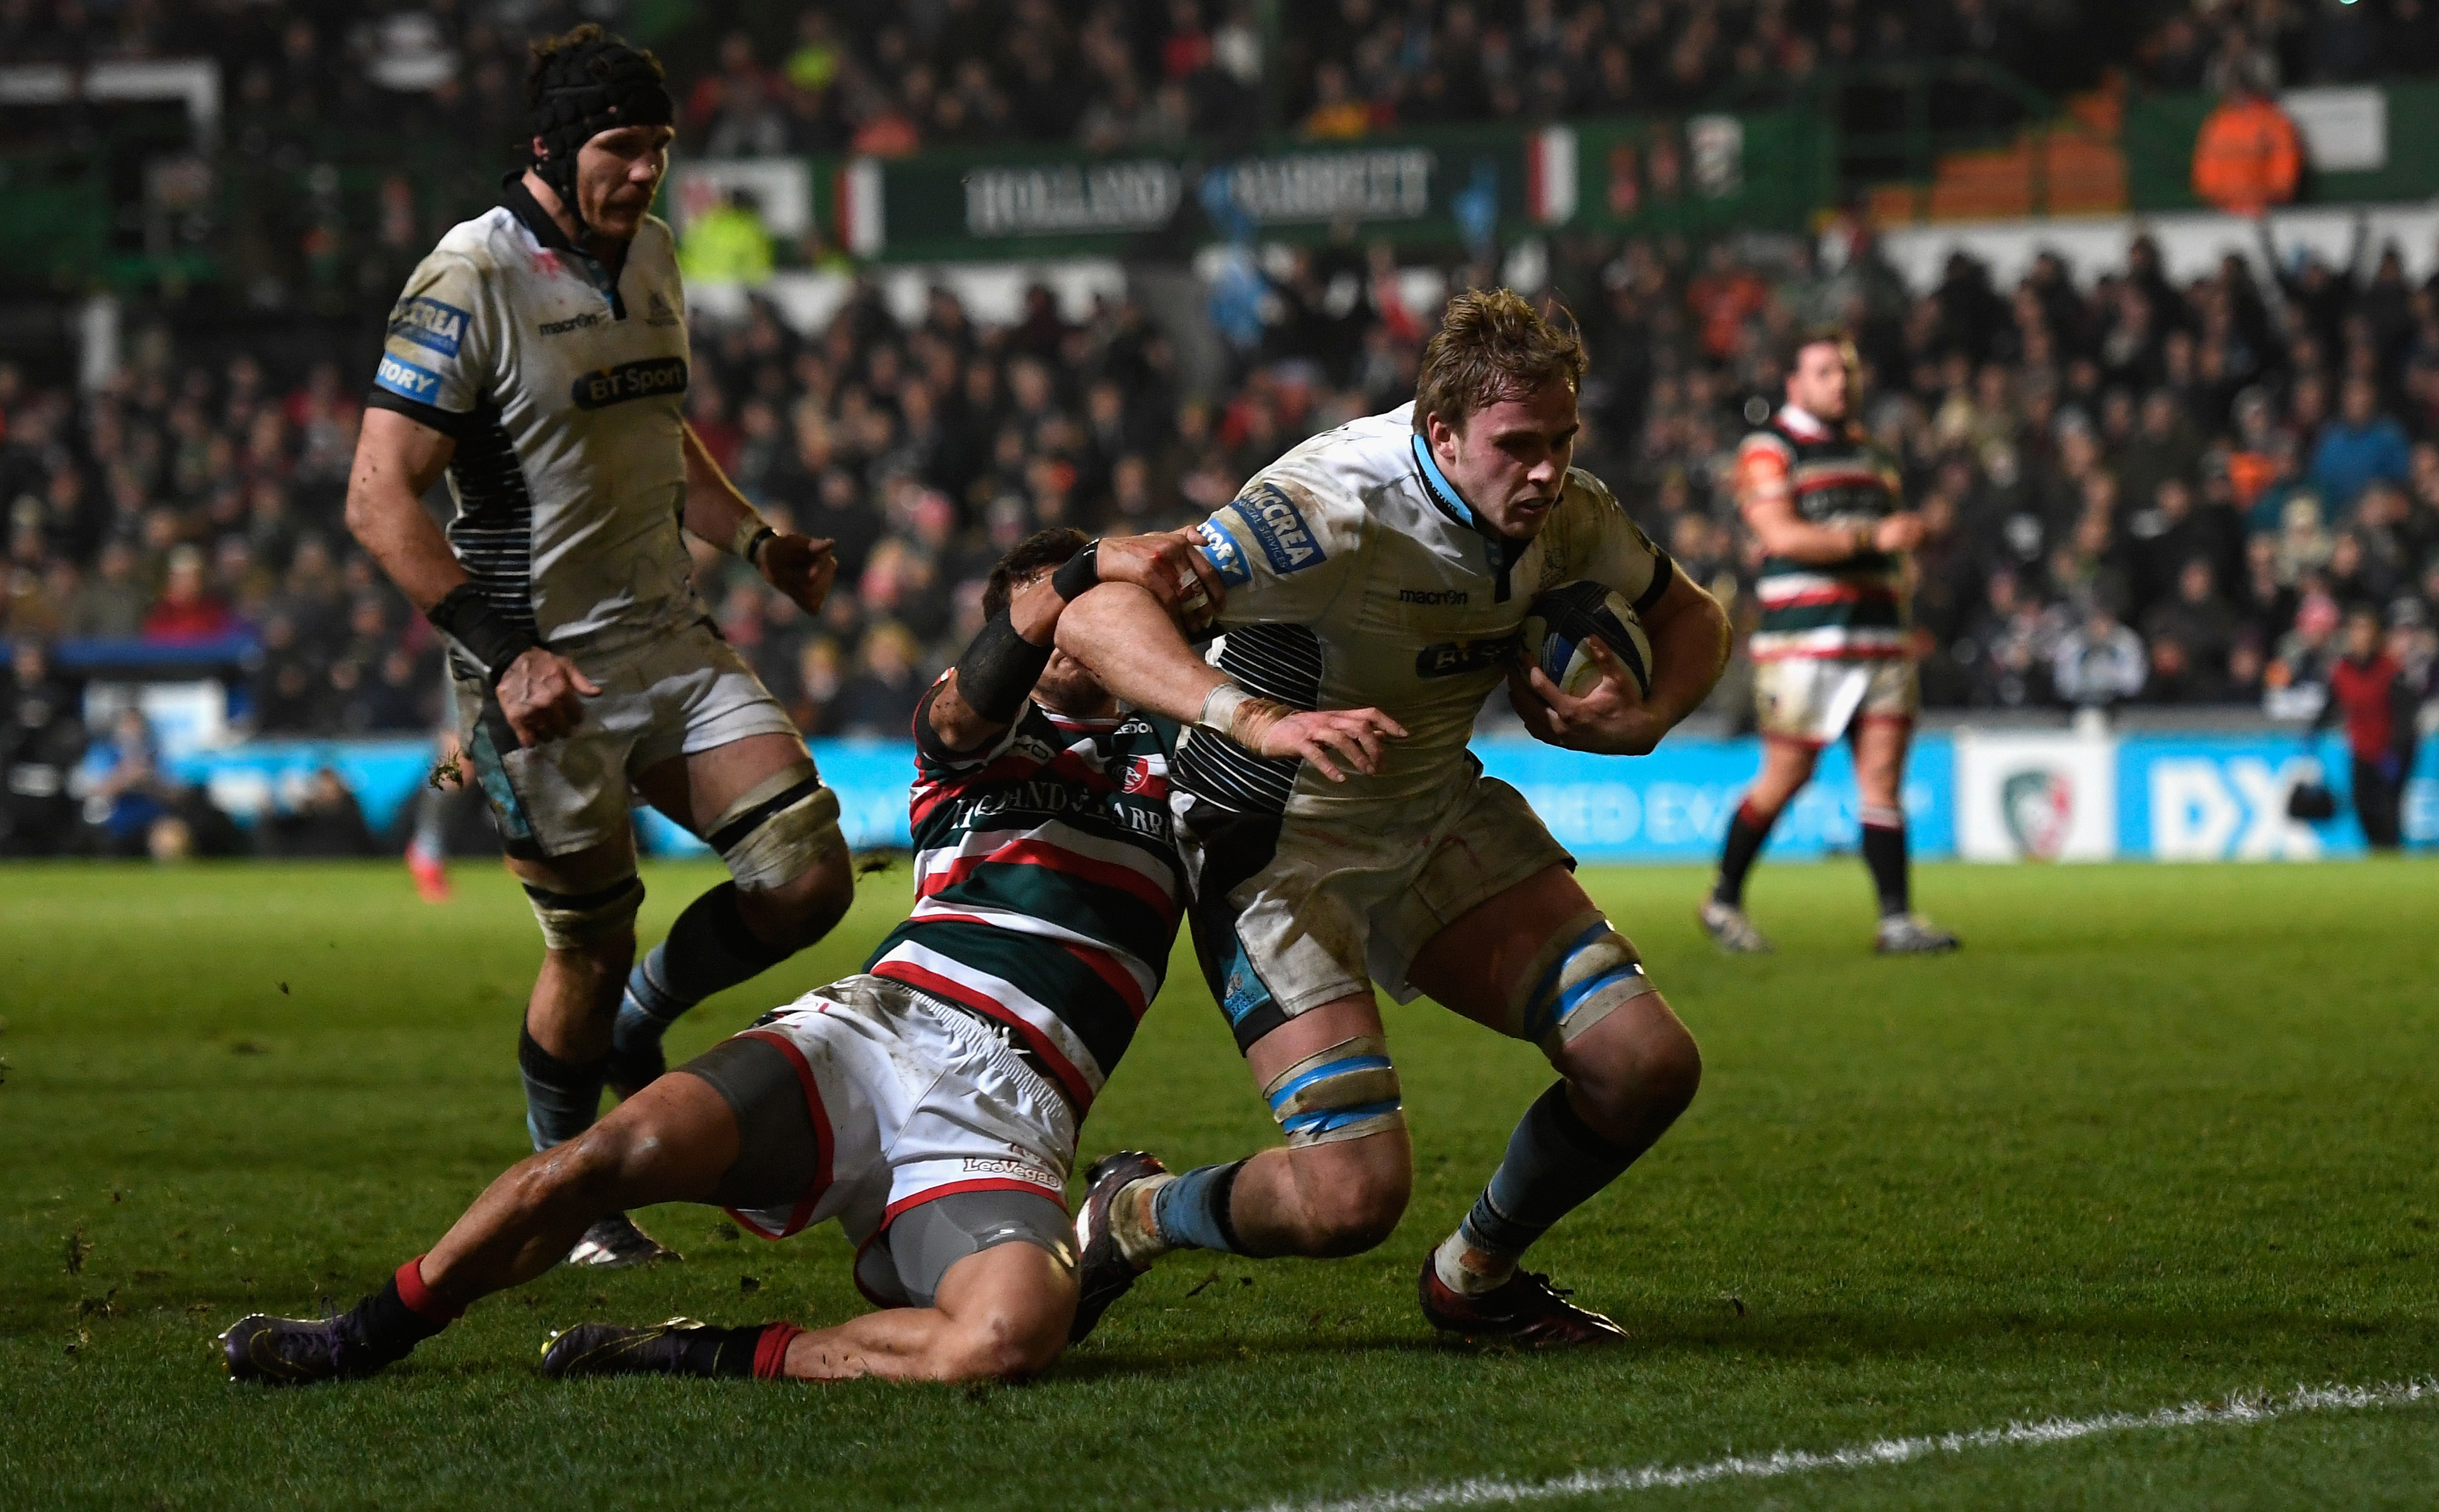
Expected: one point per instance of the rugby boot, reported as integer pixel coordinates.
(289, 1351)
(1103, 1272)
(1523, 1309)
(615, 1243)
(430, 872)
(1730, 930)
(1913, 935)
(617, 1349)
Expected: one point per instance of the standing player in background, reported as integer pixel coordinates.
(537, 357)
(1830, 657)
(1391, 563)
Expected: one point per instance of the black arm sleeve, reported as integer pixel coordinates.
(998, 669)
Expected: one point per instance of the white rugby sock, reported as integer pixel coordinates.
(1468, 1279)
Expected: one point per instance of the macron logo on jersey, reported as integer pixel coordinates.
(1220, 549)
(408, 380)
(429, 323)
(1279, 529)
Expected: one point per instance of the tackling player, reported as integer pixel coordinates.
(1390, 563)
(538, 358)
(1830, 657)
(931, 1103)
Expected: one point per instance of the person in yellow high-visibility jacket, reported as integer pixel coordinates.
(727, 244)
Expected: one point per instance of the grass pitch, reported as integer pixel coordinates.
(2161, 1135)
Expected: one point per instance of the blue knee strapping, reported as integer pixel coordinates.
(1281, 1097)
(1347, 1091)
(1329, 1121)
(1598, 959)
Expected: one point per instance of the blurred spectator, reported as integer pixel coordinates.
(878, 702)
(2248, 155)
(727, 243)
(186, 613)
(2099, 661)
(110, 604)
(125, 793)
(325, 822)
(2360, 445)
(2369, 692)
(40, 747)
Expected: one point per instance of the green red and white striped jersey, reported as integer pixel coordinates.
(1047, 885)
(1834, 476)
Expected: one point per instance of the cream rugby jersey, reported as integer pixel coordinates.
(1356, 577)
(562, 385)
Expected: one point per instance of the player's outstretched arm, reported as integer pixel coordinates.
(1126, 639)
(1689, 650)
(398, 460)
(982, 695)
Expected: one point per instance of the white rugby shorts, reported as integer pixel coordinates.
(683, 692)
(909, 1100)
(1294, 913)
(1812, 700)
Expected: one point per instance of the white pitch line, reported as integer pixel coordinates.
(2236, 1412)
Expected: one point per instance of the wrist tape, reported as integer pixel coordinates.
(998, 669)
(1079, 573)
(1220, 707)
(487, 635)
(749, 532)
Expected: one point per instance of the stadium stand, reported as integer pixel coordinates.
(2140, 489)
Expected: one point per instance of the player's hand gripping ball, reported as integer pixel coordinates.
(1558, 623)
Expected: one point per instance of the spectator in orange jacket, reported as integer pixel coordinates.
(2248, 155)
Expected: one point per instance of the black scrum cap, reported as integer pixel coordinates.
(583, 84)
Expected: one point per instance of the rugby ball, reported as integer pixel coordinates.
(1558, 622)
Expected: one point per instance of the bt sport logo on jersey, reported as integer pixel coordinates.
(647, 378)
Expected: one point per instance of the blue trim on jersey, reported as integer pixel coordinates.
(1336, 1118)
(1336, 1068)
(1442, 491)
(1499, 553)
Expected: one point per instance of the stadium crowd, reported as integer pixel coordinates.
(2137, 490)
(879, 78)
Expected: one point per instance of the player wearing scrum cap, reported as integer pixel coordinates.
(538, 360)
(1390, 563)
(1830, 658)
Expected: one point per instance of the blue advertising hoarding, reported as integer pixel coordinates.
(2181, 798)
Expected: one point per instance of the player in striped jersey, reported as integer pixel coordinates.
(930, 1104)
(1830, 657)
